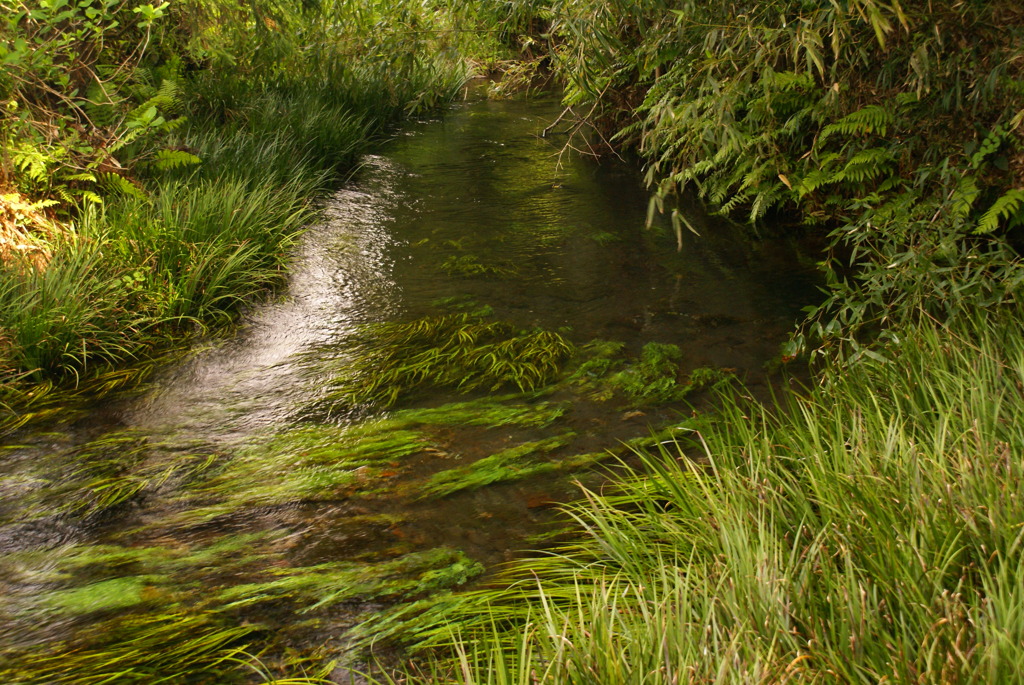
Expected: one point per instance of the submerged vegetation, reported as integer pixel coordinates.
(654, 378)
(868, 531)
(157, 162)
(459, 351)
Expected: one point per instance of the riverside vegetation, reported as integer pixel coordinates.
(158, 161)
(868, 529)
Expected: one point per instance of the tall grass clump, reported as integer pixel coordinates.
(872, 531)
(208, 148)
(139, 270)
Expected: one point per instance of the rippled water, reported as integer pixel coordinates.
(566, 247)
(483, 184)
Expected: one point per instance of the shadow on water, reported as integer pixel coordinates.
(223, 489)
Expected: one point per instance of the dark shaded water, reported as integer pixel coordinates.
(225, 444)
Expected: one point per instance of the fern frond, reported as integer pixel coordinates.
(870, 119)
(1007, 208)
(88, 196)
(816, 178)
(965, 195)
(127, 137)
(866, 165)
(31, 162)
(169, 96)
(174, 159)
(117, 184)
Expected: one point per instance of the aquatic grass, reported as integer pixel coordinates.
(318, 587)
(126, 605)
(871, 531)
(457, 351)
(81, 579)
(107, 472)
(492, 412)
(469, 266)
(303, 464)
(514, 463)
(160, 648)
(103, 493)
(24, 402)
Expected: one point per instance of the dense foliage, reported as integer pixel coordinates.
(157, 160)
(869, 532)
(892, 125)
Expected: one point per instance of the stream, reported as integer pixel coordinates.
(235, 494)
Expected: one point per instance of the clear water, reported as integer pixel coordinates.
(567, 248)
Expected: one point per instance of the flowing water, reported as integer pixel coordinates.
(228, 488)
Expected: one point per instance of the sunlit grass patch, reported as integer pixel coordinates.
(144, 269)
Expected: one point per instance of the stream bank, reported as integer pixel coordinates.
(258, 495)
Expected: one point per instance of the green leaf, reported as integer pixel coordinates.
(1008, 207)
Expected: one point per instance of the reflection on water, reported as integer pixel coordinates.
(342, 276)
(146, 490)
(568, 242)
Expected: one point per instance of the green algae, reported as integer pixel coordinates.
(514, 463)
(104, 595)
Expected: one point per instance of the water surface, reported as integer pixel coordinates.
(242, 478)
